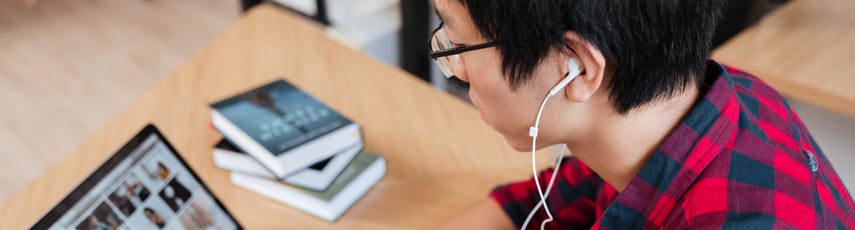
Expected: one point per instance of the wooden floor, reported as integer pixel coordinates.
(68, 66)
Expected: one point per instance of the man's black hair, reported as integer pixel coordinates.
(656, 47)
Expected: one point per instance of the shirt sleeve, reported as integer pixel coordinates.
(572, 199)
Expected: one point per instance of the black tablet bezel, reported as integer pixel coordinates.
(75, 195)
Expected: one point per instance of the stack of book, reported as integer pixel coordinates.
(283, 143)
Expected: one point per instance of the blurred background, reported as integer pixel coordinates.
(69, 66)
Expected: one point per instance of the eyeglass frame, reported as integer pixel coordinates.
(455, 50)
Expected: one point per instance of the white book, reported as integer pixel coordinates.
(361, 175)
(340, 10)
(309, 7)
(286, 129)
(359, 32)
(317, 177)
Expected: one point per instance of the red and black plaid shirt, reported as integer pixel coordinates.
(741, 159)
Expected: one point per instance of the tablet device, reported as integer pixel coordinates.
(145, 185)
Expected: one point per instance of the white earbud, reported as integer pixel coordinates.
(574, 68)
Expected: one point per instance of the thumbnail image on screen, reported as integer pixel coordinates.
(148, 189)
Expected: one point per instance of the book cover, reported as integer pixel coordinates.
(350, 173)
(316, 177)
(226, 145)
(365, 171)
(279, 116)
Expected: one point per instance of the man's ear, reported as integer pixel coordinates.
(593, 67)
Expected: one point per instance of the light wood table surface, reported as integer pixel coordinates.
(441, 157)
(805, 49)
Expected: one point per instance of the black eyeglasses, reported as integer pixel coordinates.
(446, 54)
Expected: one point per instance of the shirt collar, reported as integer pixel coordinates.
(707, 129)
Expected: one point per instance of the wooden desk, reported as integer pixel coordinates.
(805, 49)
(441, 156)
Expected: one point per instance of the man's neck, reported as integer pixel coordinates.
(622, 144)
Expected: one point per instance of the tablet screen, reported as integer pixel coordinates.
(146, 185)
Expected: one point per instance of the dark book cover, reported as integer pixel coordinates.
(226, 145)
(280, 117)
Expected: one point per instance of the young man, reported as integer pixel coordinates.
(661, 137)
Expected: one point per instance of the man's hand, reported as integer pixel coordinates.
(485, 214)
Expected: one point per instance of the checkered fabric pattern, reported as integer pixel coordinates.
(741, 159)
